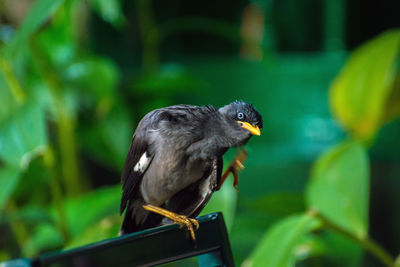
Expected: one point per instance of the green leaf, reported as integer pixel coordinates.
(105, 228)
(339, 187)
(279, 246)
(224, 201)
(56, 43)
(341, 251)
(40, 11)
(7, 102)
(45, 237)
(311, 245)
(101, 142)
(9, 177)
(23, 136)
(397, 262)
(109, 10)
(117, 122)
(98, 204)
(96, 75)
(30, 213)
(360, 93)
(392, 110)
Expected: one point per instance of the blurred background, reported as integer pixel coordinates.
(322, 181)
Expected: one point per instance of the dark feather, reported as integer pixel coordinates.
(136, 217)
(191, 200)
(130, 178)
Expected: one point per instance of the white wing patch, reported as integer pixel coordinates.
(142, 164)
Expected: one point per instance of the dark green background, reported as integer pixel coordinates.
(198, 61)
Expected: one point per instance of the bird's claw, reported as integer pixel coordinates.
(234, 167)
(238, 165)
(190, 224)
(195, 223)
(182, 220)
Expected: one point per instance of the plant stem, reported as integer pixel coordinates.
(55, 188)
(65, 124)
(365, 242)
(12, 81)
(149, 34)
(18, 228)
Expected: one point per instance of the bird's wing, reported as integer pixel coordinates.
(136, 163)
(191, 200)
(141, 153)
(142, 149)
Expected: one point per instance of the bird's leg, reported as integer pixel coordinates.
(177, 218)
(234, 167)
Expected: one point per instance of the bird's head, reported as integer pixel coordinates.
(243, 118)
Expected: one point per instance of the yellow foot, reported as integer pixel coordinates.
(234, 167)
(190, 224)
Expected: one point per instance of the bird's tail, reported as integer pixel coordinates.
(137, 218)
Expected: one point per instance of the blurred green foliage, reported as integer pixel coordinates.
(67, 114)
(363, 96)
(338, 191)
(330, 191)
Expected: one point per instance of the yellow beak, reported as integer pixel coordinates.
(251, 128)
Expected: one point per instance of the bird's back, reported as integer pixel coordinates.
(172, 169)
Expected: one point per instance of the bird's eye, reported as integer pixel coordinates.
(240, 116)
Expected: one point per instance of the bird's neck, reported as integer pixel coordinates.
(222, 135)
(218, 136)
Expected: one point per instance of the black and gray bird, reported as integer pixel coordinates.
(174, 163)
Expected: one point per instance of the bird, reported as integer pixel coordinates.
(174, 163)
